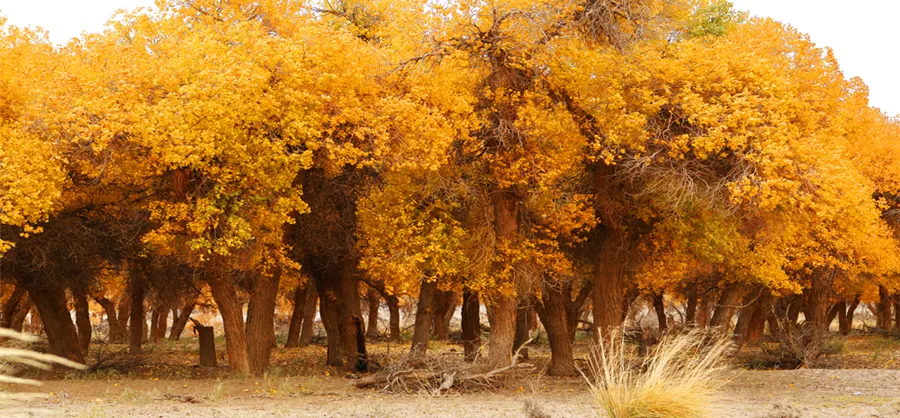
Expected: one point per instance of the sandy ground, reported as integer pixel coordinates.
(799, 393)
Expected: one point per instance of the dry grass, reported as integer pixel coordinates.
(679, 377)
(13, 356)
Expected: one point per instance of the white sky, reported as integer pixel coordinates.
(864, 33)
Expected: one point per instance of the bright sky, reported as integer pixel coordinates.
(863, 33)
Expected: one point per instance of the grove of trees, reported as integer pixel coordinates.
(540, 158)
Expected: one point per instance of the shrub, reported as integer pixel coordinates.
(678, 378)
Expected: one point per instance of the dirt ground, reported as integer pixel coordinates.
(795, 393)
(860, 381)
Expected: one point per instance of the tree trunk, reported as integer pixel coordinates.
(309, 314)
(896, 300)
(471, 324)
(884, 309)
(555, 317)
(836, 310)
(847, 325)
(752, 320)
(727, 306)
(293, 338)
(523, 327)
(393, 304)
(818, 296)
(424, 317)
(503, 306)
(445, 307)
(350, 320)
(690, 310)
(184, 316)
(9, 307)
(659, 305)
(374, 303)
(703, 312)
(50, 300)
(116, 329)
(162, 323)
(224, 293)
(82, 319)
(136, 285)
(124, 314)
(261, 321)
(18, 318)
(329, 314)
(503, 330)
(154, 324)
(609, 291)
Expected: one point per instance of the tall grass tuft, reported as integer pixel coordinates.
(680, 377)
(13, 357)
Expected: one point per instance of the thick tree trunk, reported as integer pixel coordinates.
(847, 325)
(350, 321)
(309, 314)
(503, 330)
(555, 317)
(609, 291)
(328, 312)
(896, 300)
(471, 324)
(374, 302)
(261, 321)
(184, 316)
(9, 307)
(162, 323)
(293, 338)
(116, 329)
(703, 312)
(818, 296)
(884, 309)
(50, 300)
(18, 318)
(752, 320)
(224, 293)
(577, 308)
(154, 324)
(659, 305)
(503, 306)
(690, 309)
(393, 304)
(727, 305)
(124, 315)
(445, 307)
(837, 310)
(523, 327)
(424, 317)
(136, 285)
(82, 319)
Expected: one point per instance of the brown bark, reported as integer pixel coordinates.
(261, 321)
(162, 323)
(847, 325)
(224, 293)
(18, 318)
(393, 304)
(471, 324)
(293, 338)
(703, 312)
(884, 309)
(659, 305)
(752, 320)
(309, 314)
(124, 314)
(503, 306)
(835, 310)
(82, 319)
(523, 327)
(154, 324)
(328, 312)
(9, 307)
(116, 328)
(609, 291)
(896, 300)
(424, 317)
(374, 303)
(350, 321)
(50, 300)
(444, 308)
(180, 322)
(136, 288)
(727, 305)
(817, 299)
(690, 309)
(556, 319)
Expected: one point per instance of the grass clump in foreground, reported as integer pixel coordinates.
(12, 358)
(678, 378)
